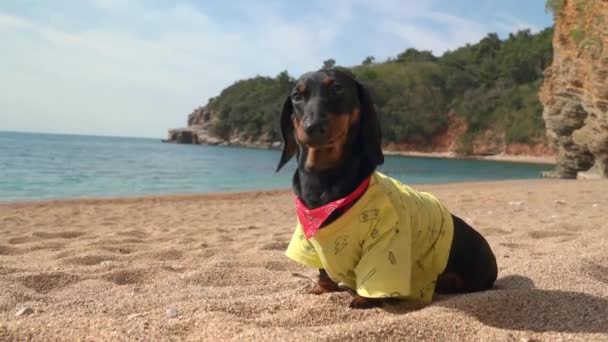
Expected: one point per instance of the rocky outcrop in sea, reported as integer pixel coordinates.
(198, 132)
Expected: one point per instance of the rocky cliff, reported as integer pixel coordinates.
(199, 131)
(575, 89)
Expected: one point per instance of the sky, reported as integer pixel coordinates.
(139, 67)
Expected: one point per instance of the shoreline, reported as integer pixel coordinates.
(502, 157)
(252, 194)
(175, 196)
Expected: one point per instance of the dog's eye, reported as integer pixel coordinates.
(296, 97)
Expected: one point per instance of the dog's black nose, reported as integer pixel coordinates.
(316, 129)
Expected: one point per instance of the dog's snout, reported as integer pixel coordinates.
(315, 129)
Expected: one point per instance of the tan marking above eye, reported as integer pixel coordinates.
(328, 80)
(355, 115)
(301, 88)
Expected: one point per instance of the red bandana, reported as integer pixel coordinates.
(312, 219)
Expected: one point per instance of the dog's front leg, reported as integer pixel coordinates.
(324, 284)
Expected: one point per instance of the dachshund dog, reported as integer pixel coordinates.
(329, 123)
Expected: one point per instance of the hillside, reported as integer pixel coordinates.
(477, 99)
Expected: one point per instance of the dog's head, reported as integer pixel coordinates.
(328, 116)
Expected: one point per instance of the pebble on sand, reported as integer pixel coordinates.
(24, 311)
(171, 312)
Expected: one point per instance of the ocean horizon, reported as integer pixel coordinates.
(40, 166)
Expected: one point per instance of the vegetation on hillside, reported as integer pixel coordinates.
(490, 85)
(250, 107)
(554, 6)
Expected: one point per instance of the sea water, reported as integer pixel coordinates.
(43, 166)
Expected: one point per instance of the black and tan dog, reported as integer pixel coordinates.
(329, 123)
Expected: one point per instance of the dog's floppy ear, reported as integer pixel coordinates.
(287, 134)
(369, 127)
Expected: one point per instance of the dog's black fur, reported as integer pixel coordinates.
(324, 100)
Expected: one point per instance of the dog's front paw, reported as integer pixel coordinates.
(365, 303)
(324, 287)
(317, 290)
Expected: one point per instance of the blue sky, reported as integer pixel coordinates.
(138, 67)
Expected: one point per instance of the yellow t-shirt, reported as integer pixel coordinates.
(393, 242)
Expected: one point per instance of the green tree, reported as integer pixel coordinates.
(329, 63)
(368, 60)
(413, 55)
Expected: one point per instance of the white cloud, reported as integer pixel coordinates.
(510, 23)
(106, 81)
(11, 22)
(439, 39)
(126, 67)
(111, 5)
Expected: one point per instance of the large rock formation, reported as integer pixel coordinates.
(575, 90)
(199, 131)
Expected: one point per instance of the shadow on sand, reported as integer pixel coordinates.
(515, 304)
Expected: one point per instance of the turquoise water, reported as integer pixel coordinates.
(44, 166)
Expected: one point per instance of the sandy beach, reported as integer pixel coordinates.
(211, 267)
